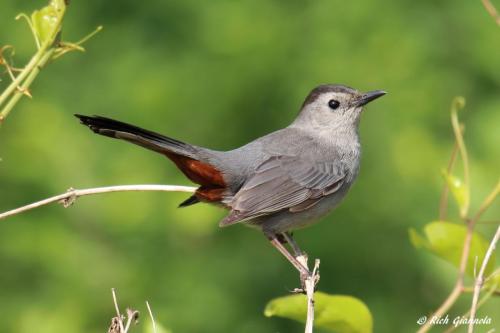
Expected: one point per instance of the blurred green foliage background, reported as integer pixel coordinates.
(219, 74)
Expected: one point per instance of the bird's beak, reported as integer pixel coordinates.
(370, 96)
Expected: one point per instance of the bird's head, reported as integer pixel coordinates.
(334, 106)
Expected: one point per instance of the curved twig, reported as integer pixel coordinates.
(68, 198)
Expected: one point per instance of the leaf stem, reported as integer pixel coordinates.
(458, 103)
(487, 202)
(443, 202)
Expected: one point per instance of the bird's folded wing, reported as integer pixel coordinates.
(284, 182)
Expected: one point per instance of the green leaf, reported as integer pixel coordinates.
(446, 240)
(46, 22)
(335, 313)
(418, 240)
(459, 191)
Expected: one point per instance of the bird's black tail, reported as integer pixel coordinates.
(185, 156)
(139, 136)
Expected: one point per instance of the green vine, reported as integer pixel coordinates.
(46, 26)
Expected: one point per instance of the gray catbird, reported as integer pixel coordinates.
(280, 182)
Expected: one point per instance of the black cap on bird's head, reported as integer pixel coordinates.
(362, 98)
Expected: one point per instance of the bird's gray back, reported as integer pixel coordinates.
(240, 165)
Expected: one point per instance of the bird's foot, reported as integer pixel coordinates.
(307, 279)
(304, 278)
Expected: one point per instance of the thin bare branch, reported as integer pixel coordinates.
(309, 286)
(447, 304)
(118, 314)
(483, 300)
(117, 321)
(480, 280)
(68, 198)
(492, 11)
(151, 315)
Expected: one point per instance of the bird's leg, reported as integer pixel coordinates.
(273, 238)
(301, 257)
(293, 244)
(299, 261)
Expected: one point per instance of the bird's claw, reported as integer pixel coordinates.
(305, 276)
(298, 291)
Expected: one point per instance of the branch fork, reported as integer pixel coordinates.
(310, 286)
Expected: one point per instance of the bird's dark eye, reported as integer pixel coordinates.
(333, 104)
